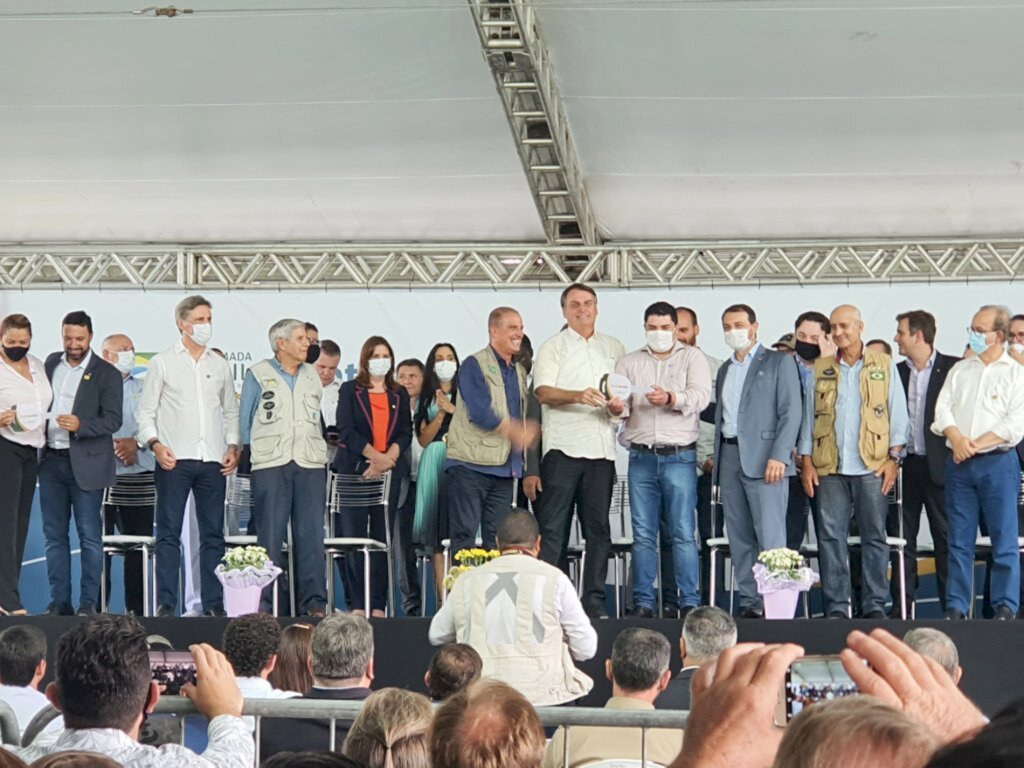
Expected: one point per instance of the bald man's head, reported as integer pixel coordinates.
(847, 326)
(117, 342)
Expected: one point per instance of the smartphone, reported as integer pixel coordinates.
(813, 679)
(172, 669)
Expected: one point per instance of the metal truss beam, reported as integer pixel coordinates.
(507, 265)
(512, 46)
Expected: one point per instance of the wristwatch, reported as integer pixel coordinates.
(896, 459)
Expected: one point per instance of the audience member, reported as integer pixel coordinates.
(310, 759)
(391, 730)
(707, 631)
(530, 645)
(489, 725)
(22, 668)
(75, 760)
(854, 732)
(997, 745)
(639, 672)
(933, 644)
(104, 689)
(250, 644)
(294, 668)
(342, 671)
(11, 760)
(453, 668)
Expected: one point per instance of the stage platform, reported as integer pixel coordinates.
(990, 651)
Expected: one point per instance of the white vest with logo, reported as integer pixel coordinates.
(286, 427)
(535, 660)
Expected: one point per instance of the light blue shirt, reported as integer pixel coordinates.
(848, 418)
(251, 397)
(145, 461)
(732, 390)
(917, 394)
(66, 380)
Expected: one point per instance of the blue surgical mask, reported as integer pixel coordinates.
(976, 341)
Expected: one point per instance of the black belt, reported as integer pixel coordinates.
(58, 451)
(730, 440)
(663, 450)
(993, 452)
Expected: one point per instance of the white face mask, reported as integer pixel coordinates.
(125, 361)
(738, 339)
(660, 341)
(445, 370)
(201, 333)
(379, 366)
(1018, 348)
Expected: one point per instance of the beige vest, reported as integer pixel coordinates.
(468, 442)
(873, 442)
(287, 423)
(536, 662)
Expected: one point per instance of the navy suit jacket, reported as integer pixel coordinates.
(97, 405)
(282, 734)
(934, 445)
(768, 421)
(355, 428)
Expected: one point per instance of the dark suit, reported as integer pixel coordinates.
(677, 694)
(355, 427)
(282, 734)
(74, 478)
(924, 480)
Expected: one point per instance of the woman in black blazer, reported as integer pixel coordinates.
(375, 429)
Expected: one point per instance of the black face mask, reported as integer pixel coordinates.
(808, 351)
(14, 354)
(312, 353)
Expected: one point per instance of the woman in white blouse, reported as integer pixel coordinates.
(25, 397)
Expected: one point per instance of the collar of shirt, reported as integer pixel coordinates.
(501, 360)
(180, 347)
(748, 357)
(627, 702)
(1003, 359)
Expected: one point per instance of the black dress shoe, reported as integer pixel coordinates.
(215, 612)
(60, 609)
(670, 612)
(166, 612)
(838, 615)
(750, 613)
(642, 612)
(952, 614)
(317, 612)
(685, 610)
(1003, 613)
(878, 613)
(597, 612)
(87, 609)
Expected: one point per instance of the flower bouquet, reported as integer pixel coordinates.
(468, 559)
(245, 572)
(781, 575)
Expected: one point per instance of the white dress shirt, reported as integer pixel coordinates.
(917, 394)
(31, 398)
(329, 403)
(978, 398)
(230, 746)
(258, 688)
(66, 380)
(27, 702)
(568, 361)
(189, 405)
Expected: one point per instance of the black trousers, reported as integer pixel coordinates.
(404, 551)
(920, 491)
(587, 483)
(18, 472)
(129, 521)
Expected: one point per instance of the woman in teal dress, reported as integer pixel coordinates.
(433, 417)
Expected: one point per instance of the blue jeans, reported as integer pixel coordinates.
(985, 485)
(664, 488)
(172, 489)
(58, 495)
(839, 497)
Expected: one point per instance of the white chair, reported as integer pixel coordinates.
(130, 491)
(347, 492)
(719, 545)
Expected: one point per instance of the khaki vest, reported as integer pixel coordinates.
(468, 442)
(874, 412)
(536, 662)
(287, 423)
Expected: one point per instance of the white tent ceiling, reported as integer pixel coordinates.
(378, 120)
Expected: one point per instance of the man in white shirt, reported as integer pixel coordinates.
(188, 416)
(22, 668)
(250, 645)
(104, 687)
(578, 466)
(522, 616)
(980, 410)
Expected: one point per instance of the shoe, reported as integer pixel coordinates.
(1003, 613)
(685, 610)
(641, 612)
(878, 613)
(670, 612)
(214, 612)
(377, 613)
(750, 613)
(87, 609)
(838, 615)
(597, 612)
(60, 609)
(316, 612)
(952, 614)
(166, 612)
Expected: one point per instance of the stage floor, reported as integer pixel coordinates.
(990, 651)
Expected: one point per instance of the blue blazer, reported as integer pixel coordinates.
(771, 407)
(97, 405)
(355, 428)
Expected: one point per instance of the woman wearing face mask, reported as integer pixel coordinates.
(433, 416)
(25, 397)
(375, 429)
